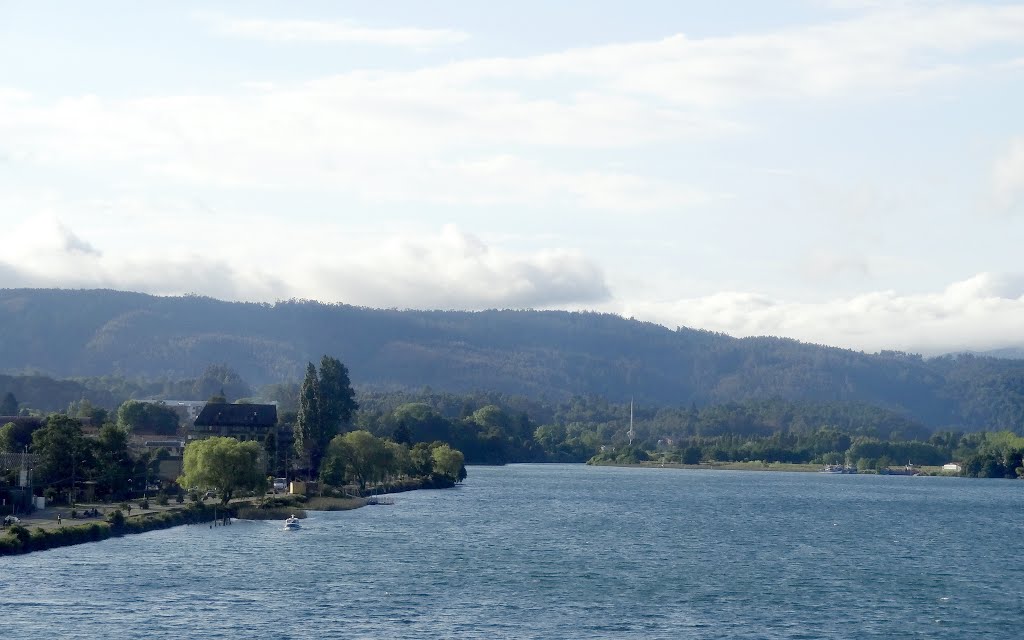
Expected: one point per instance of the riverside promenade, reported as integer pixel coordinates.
(47, 518)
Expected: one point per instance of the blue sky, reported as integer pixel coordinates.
(842, 172)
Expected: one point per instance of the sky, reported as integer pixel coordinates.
(841, 172)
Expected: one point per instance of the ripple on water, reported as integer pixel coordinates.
(562, 551)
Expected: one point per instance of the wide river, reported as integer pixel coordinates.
(563, 551)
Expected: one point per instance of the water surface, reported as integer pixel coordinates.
(563, 551)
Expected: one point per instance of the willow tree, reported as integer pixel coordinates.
(449, 463)
(225, 465)
(360, 456)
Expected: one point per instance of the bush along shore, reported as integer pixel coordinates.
(18, 539)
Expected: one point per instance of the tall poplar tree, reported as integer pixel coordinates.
(308, 423)
(9, 405)
(326, 403)
(337, 399)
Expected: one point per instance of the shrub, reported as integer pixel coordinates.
(179, 498)
(21, 533)
(162, 500)
(98, 531)
(9, 545)
(39, 539)
(116, 520)
(144, 504)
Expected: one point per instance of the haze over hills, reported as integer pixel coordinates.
(541, 354)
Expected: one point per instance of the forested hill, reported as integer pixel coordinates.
(550, 354)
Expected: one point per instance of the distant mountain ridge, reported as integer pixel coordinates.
(1012, 353)
(544, 354)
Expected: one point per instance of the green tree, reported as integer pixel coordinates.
(285, 394)
(225, 465)
(220, 380)
(449, 463)
(113, 462)
(326, 404)
(147, 417)
(337, 398)
(400, 461)
(421, 460)
(549, 436)
(63, 456)
(84, 409)
(270, 446)
(308, 423)
(691, 455)
(15, 436)
(419, 422)
(9, 405)
(332, 469)
(364, 456)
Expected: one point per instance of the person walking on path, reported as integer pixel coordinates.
(58, 519)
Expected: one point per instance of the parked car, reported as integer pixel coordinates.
(280, 484)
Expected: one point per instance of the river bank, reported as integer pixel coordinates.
(19, 538)
(45, 530)
(758, 466)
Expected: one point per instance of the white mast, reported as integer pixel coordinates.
(632, 432)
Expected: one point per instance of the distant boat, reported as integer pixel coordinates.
(292, 523)
(838, 468)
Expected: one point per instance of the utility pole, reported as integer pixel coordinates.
(23, 475)
(632, 432)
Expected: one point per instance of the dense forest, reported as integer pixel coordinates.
(115, 345)
(495, 428)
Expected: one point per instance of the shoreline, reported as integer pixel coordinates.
(40, 534)
(19, 539)
(759, 466)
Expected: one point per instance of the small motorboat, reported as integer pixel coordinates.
(292, 523)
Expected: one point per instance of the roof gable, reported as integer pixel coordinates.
(237, 415)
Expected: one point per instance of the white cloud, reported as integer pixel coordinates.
(894, 49)
(47, 236)
(1008, 174)
(449, 269)
(323, 31)
(358, 135)
(420, 134)
(507, 179)
(982, 312)
(456, 270)
(453, 269)
(876, 4)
